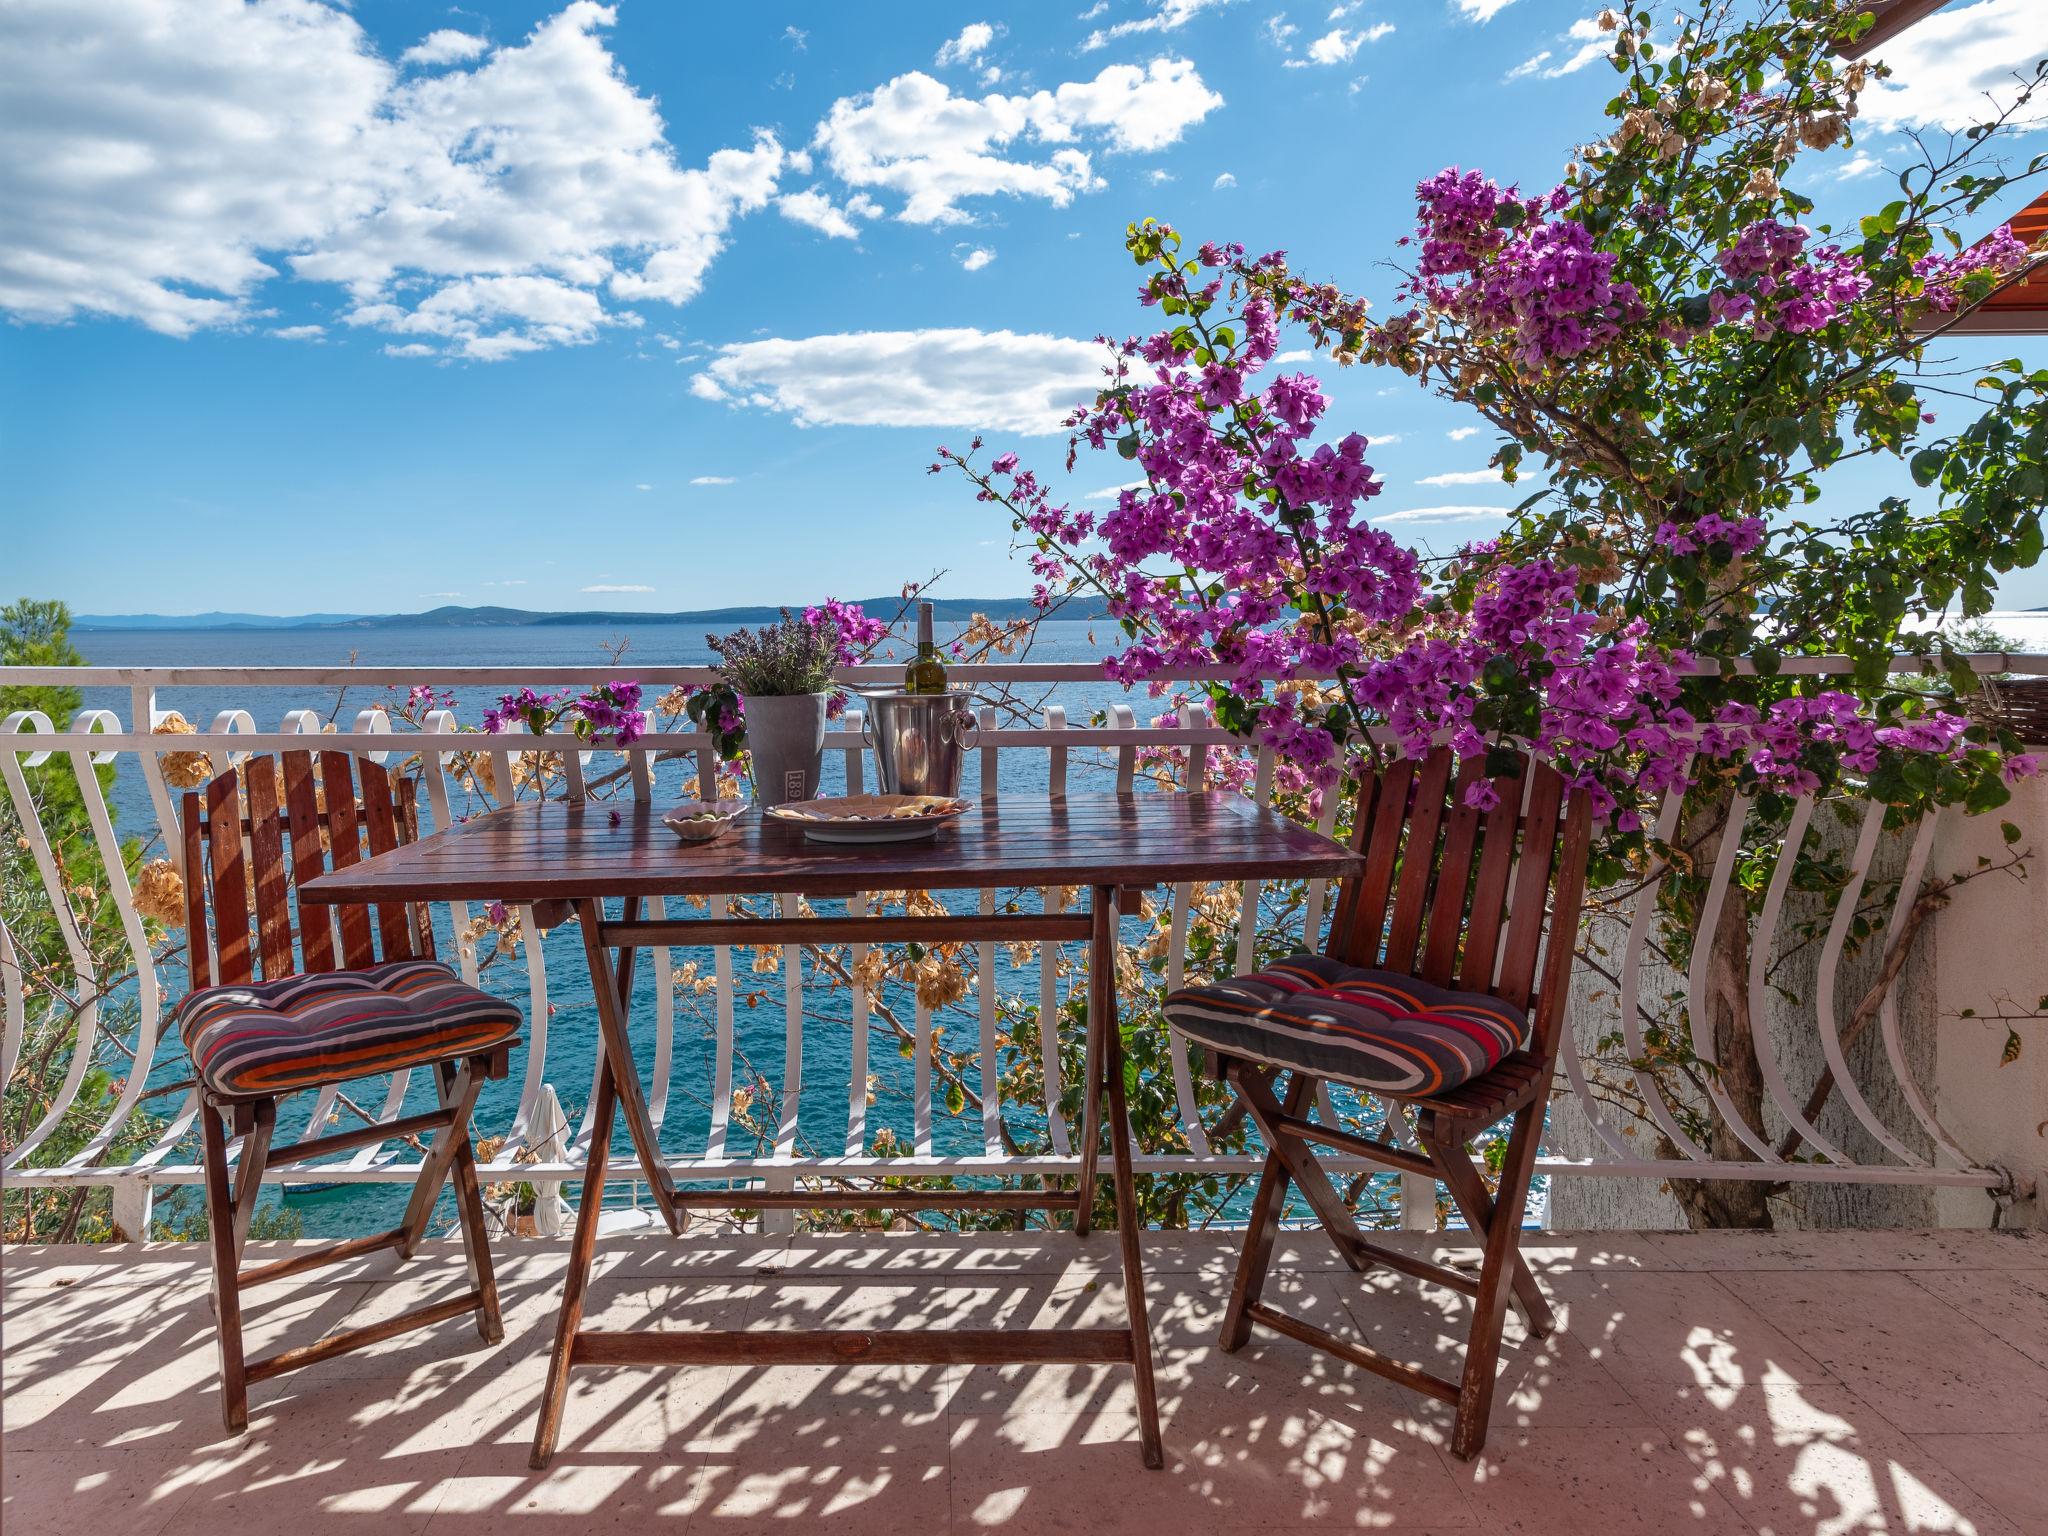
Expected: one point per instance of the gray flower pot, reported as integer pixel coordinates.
(786, 738)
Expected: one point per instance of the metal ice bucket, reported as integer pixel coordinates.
(921, 740)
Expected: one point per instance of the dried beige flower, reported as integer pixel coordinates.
(1823, 131)
(181, 770)
(939, 981)
(160, 893)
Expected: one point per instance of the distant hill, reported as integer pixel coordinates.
(956, 610)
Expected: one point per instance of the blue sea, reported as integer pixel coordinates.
(572, 1026)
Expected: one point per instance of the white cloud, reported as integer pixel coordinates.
(299, 332)
(616, 587)
(1947, 69)
(914, 137)
(1165, 16)
(711, 479)
(447, 46)
(997, 380)
(440, 594)
(1111, 492)
(814, 208)
(1463, 477)
(1529, 66)
(968, 47)
(1857, 166)
(1384, 439)
(490, 318)
(1459, 434)
(1223, 183)
(411, 349)
(1279, 29)
(510, 581)
(1452, 514)
(977, 258)
(1340, 47)
(1481, 10)
(1297, 355)
(1593, 45)
(796, 37)
(643, 486)
(163, 170)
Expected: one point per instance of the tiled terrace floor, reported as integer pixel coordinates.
(1730, 1383)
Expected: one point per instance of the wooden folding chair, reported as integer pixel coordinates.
(1435, 1003)
(327, 1016)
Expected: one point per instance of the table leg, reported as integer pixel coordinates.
(609, 986)
(1102, 1000)
(1101, 962)
(581, 1253)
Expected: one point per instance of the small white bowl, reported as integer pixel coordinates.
(700, 821)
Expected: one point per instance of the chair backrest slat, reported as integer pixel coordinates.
(197, 965)
(1453, 877)
(309, 858)
(1526, 907)
(421, 914)
(1490, 888)
(1356, 938)
(1344, 909)
(337, 779)
(1565, 900)
(266, 862)
(394, 918)
(1418, 860)
(230, 883)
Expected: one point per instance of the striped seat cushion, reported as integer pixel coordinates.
(327, 1027)
(1378, 1030)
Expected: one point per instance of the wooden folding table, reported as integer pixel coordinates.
(576, 856)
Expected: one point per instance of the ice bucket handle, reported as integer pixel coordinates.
(964, 726)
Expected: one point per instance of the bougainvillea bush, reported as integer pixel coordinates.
(1674, 358)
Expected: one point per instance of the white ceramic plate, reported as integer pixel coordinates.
(867, 818)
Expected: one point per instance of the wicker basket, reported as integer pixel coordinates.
(2020, 705)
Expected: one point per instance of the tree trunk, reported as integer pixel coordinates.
(1728, 1202)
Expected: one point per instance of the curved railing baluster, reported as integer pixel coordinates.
(84, 975)
(1049, 952)
(148, 995)
(1762, 941)
(1888, 1008)
(985, 976)
(1644, 910)
(1830, 973)
(1696, 982)
(13, 1004)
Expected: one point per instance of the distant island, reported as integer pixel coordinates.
(951, 610)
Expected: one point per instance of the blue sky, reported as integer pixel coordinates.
(664, 306)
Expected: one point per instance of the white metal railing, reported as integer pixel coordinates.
(1920, 1153)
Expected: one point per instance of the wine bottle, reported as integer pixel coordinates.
(926, 673)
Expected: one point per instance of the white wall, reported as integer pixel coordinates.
(1991, 944)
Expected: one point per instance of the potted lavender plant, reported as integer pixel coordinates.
(774, 693)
